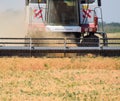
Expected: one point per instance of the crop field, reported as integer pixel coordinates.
(86, 78)
(113, 35)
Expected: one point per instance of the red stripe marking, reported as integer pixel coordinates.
(38, 14)
(87, 13)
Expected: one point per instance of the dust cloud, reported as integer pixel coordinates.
(12, 23)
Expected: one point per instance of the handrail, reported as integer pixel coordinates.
(43, 46)
(59, 41)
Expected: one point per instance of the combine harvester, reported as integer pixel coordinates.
(65, 26)
(68, 18)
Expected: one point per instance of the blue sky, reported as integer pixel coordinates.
(110, 8)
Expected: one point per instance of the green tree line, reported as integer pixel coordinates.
(111, 27)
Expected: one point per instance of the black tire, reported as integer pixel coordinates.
(90, 40)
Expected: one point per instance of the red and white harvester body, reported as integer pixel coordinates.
(74, 18)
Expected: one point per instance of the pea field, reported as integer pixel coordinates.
(87, 78)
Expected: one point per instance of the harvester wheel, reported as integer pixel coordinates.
(90, 40)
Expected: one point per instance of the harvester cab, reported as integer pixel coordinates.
(78, 17)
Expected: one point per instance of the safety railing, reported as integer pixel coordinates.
(48, 46)
(60, 42)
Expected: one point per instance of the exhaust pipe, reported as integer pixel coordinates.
(99, 2)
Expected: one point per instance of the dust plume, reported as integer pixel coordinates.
(12, 23)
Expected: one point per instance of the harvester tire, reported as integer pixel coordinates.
(90, 40)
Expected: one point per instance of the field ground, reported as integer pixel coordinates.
(86, 78)
(113, 35)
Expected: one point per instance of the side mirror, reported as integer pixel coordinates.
(99, 2)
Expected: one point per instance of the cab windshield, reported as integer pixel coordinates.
(87, 1)
(63, 12)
